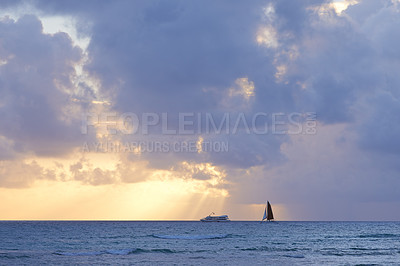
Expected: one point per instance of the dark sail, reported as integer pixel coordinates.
(270, 215)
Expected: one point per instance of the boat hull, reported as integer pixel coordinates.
(217, 221)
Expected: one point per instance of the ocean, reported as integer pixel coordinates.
(196, 243)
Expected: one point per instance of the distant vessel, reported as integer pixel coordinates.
(268, 213)
(215, 218)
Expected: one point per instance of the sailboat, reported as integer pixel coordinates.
(268, 213)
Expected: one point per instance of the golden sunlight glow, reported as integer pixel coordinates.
(207, 177)
(101, 102)
(337, 6)
(267, 36)
(280, 72)
(131, 190)
(199, 144)
(152, 200)
(244, 88)
(342, 5)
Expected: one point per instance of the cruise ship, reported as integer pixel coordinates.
(215, 218)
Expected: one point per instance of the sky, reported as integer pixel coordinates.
(171, 110)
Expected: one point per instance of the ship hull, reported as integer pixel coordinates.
(216, 221)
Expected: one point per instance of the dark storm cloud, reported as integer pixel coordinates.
(178, 56)
(166, 54)
(380, 131)
(182, 57)
(36, 92)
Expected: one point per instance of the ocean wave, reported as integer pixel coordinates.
(116, 252)
(93, 253)
(198, 257)
(161, 250)
(356, 252)
(275, 249)
(363, 249)
(113, 237)
(296, 256)
(288, 252)
(13, 256)
(121, 251)
(379, 236)
(192, 237)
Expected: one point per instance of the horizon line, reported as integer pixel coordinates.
(173, 220)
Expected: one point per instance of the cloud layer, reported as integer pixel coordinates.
(216, 57)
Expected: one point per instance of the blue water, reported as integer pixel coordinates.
(240, 243)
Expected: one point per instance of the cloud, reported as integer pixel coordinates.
(19, 174)
(325, 177)
(379, 130)
(36, 88)
(165, 65)
(6, 148)
(123, 171)
(217, 57)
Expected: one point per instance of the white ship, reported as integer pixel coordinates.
(215, 218)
